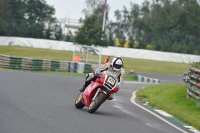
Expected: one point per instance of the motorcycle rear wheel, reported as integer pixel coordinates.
(78, 101)
(94, 105)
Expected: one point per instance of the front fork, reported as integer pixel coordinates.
(98, 90)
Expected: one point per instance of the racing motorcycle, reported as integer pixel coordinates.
(97, 92)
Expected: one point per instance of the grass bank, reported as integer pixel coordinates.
(172, 99)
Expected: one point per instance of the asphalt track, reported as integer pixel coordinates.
(44, 103)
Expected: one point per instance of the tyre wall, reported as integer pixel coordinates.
(24, 63)
(193, 84)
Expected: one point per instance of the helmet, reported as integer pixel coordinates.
(117, 63)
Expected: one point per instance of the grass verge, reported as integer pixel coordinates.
(172, 99)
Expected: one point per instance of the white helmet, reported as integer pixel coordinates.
(117, 63)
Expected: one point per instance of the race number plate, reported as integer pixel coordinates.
(111, 81)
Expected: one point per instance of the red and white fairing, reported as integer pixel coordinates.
(108, 80)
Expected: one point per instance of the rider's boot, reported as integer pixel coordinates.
(85, 85)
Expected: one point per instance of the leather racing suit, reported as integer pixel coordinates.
(106, 67)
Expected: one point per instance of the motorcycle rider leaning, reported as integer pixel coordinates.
(116, 67)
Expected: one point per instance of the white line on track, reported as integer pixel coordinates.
(133, 101)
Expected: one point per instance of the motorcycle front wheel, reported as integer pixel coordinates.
(78, 101)
(94, 105)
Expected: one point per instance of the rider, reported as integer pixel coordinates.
(116, 67)
(185, 77)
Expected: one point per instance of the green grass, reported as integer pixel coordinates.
(138, 65)
(36, 53)
(172, 98)
(2, 68)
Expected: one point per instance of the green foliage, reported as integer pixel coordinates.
(91, 33)
(27, 18)
(150, 47)
(171, 26)
(196, 64)
(58, 32)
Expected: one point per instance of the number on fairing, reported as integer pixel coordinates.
(111, 80)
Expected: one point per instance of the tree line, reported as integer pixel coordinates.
(28, 18)
(161, 25)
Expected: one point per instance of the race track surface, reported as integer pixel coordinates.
(44, 103)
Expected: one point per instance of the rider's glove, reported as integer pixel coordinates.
(98, 73)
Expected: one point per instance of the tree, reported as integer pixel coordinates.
(91, 7)
(58, 32)
(39, 14)
(91, 33)
(110, 33)
(11, 14)
(48, 32)
(69, 36)
(26, 18)
(95, 7)
(4, 5)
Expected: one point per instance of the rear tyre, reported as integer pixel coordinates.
(78, 101)
(94, 105)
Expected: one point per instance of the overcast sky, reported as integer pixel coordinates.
(73, 8)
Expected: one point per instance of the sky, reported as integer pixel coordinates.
(73, 8)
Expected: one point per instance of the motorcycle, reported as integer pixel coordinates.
(97, 92)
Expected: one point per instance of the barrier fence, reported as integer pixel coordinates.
(31, 64)
(193, 84)
(146, 79)
(23, 63)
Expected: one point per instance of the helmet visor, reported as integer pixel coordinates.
(118, 66)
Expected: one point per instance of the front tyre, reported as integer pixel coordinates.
(94, 105)
(78, 101)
